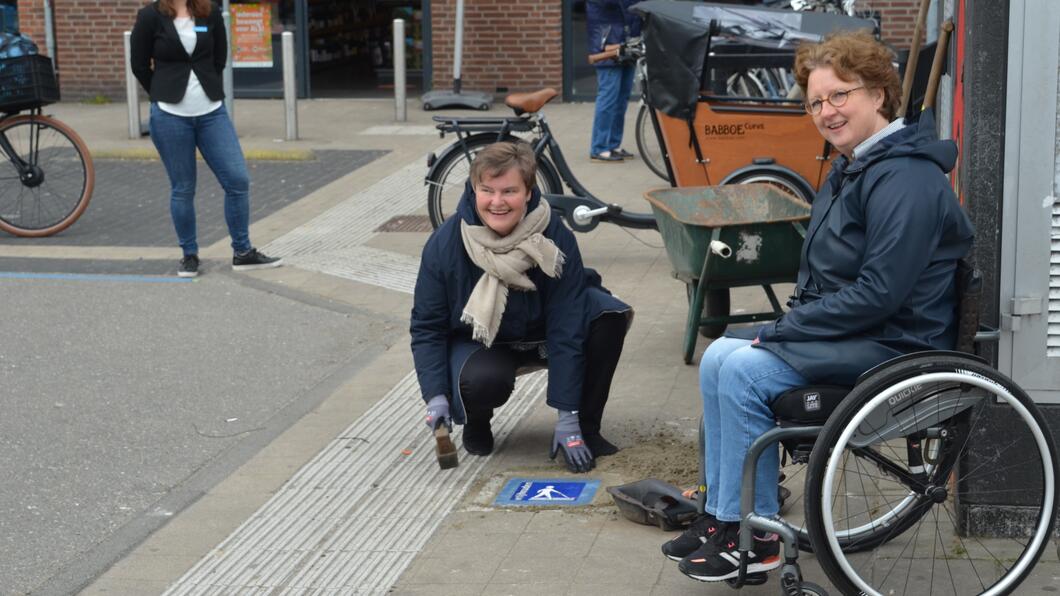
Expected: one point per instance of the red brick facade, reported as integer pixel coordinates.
(514, 45)
(508, 44)
(89, 45)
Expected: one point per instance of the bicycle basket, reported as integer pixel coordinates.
(27, 82)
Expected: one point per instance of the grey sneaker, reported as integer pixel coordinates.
(253, 259)
(189, 266)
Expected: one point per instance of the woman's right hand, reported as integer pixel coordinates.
(438, 413)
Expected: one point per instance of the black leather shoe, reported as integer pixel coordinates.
(478, 438)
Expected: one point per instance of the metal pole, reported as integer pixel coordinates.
(132, 90)
(290, 96)
(399, 70)
(226, 78)
(49, 32)
(458, 45)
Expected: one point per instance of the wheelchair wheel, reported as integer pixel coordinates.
(891, 504)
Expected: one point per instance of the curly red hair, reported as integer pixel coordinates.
(853, 56)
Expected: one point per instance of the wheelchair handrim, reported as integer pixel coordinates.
(1040, 534)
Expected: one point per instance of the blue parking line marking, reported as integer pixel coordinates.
(95, 277)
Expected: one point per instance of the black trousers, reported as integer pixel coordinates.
(488, 377)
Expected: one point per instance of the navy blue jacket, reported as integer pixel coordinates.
(610, 22)
(876, 278)
(557, 314)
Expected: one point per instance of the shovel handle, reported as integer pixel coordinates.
(936, 65)
(914, 55)
(610, 51)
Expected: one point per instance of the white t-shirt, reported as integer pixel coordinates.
(195, 102)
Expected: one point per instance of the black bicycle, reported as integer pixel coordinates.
(448, 172)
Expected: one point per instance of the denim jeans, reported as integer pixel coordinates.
(176, 138)
(738, 382)
(613, 86)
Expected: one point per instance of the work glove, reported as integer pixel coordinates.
(568, 438)
(438, 413)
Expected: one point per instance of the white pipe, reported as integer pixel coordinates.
(458, 47)
(290, 96)
(49, 32)
(226, 78)
(398, 52)
(132, 90)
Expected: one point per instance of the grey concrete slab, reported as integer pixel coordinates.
(90, 266)
(125, 401)
(130, 204)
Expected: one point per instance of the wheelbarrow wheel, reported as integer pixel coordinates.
(715, 304)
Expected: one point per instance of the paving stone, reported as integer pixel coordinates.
(130, 204)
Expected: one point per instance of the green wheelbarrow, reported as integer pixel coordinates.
(722, 237)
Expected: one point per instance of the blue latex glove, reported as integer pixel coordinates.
(438, 413)
(568, 438)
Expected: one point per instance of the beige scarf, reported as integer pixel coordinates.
(505, 260)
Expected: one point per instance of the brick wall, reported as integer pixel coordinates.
(898, 18)
(508, 44)
(88, 42)
(513, 44)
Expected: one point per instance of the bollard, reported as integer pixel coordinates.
(132, 90)
(290, 96)
(226, 77)
(399, 70)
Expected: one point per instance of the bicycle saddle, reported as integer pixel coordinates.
(528, 103)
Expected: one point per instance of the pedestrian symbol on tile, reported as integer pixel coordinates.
(547, 492)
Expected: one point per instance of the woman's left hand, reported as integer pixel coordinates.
(568, 438)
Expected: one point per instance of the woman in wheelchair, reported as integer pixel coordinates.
(876, 281)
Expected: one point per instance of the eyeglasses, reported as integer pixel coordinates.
(836, 98)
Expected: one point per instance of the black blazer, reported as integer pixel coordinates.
(154, 38)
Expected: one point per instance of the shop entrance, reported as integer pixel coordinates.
(350, 53)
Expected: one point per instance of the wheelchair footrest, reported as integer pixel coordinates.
(752, 579)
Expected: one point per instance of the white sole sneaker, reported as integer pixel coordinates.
(273, 265)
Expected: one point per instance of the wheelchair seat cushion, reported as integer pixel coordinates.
(809, 405)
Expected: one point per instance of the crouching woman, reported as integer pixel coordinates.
(502, 288)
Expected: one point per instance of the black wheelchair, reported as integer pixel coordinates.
(896, 499)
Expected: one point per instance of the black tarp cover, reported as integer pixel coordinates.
(676, 36)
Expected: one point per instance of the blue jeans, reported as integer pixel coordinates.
(738, 382)
(176, 138)
(613, 86)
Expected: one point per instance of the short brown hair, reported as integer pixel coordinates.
(498, 158)
(853, 55)
(199, 9)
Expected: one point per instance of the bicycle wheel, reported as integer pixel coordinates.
(779, 180)
(902, 456)
(745, 84)
(52, 189)
(446, 186)
(649, 145)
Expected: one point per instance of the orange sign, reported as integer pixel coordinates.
(251, 36)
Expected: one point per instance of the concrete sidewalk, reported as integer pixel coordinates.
(349, 500)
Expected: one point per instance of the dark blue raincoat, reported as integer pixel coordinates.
(609, 22)
(557, 315)
(876, 278)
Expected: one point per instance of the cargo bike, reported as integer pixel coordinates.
(709, 139)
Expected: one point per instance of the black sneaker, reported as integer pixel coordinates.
(252, 259)
(702, 528)
(189, 266)
(719, 559)
(622, 153)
